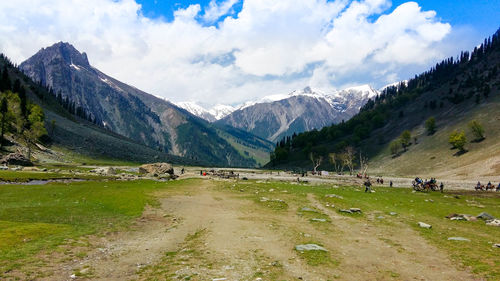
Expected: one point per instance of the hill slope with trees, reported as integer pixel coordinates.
(430, 107)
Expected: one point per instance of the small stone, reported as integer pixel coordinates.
(310, 247)
(318, 220)
(495, 222)
(334, 196)
(307, 209)
(458, 239)
(496, 245)
(271, 190)
(345, 211)
(355, 210)
(73, 276)
(424, 225)
(485, 216)
(393, 213)
(380, 217)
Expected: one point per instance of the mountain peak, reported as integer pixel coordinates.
(307, 90)
(365, 90)
(65, 51)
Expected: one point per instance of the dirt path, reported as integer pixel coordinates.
(378, 252)
(238, 243)
(212, 234)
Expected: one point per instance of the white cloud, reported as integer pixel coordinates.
(268, 47)
(215, 11)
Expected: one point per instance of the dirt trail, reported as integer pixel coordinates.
(377, 252)
(239, 242)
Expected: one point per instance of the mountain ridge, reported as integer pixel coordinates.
(129, 111)
(274, 116)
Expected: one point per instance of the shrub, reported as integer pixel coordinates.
(430, 125)
(477, 129)
(405, 139)
(458, 140)
(395, 146)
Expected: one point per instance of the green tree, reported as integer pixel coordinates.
(4, 109)
(430, 125)
(477, 130)
(395, 146)
(458, 140)
(405, 139)
(35, 126)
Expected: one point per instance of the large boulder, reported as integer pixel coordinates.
(157, 169)
(16, 159)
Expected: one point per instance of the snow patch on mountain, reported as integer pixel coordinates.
(220, 111)
(215, 113)
(395, 84)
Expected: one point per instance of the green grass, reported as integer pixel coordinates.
(78, 158)
(316, 258)
(35, 218)
(25, 176)
(478, 255)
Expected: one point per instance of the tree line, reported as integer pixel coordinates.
(18, 116)
(377, 112)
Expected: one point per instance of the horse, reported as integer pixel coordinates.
(479, 187)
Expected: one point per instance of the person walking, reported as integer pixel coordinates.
(441, 187)
(368, 185)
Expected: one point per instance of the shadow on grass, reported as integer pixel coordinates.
(460, 152)
(478, 140)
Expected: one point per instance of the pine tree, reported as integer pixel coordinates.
(4, 108)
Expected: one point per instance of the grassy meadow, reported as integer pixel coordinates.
(40, 217)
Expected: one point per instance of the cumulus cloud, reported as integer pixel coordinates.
(215, 11)
(207, 56)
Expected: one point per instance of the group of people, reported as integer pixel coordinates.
(479, 186)
(368, 183)
(432, 183)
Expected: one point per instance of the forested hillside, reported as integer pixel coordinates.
(454, 92)
(34, 114)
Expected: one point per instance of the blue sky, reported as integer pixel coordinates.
(228, 52)
(483, 15)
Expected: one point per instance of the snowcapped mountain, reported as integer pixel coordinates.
(275, 116)
(211, 115)
(395, 84)
(220, 111)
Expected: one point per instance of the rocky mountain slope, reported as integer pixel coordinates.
(129, 111)
(276, 116)
(71, 138)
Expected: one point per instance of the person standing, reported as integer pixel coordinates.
(441, 187)
(368, 185)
